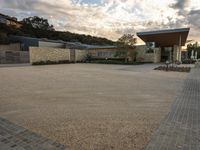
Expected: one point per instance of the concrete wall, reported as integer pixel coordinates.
(51, 44)
(11, 47)
(157, 55)
(38, 54)
(177, 53)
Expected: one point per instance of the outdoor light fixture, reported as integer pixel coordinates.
(167, 64)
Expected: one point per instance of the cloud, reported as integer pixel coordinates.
(180, 4)
(194, 18)
(188, 15)
(108, 18)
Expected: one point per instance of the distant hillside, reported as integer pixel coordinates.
(54, 35)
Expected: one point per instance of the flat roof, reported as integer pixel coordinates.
(168, 37)
(75, 45)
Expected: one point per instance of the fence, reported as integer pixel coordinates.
(11, 57)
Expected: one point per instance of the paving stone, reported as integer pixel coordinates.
(13, 137)
(180, 128)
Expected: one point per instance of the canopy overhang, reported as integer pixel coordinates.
(166, 37)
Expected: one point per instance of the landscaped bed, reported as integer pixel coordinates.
(49, 62)
(117, 62)
(173, 68)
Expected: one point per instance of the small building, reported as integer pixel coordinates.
(77, 50)
(10, 21)
(97, 51)
(162, 45)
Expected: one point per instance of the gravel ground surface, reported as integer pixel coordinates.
(89, 106)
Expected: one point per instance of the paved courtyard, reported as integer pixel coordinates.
(14, 137)
(180, 128)
(89, 106)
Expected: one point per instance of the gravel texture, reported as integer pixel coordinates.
(89, 106)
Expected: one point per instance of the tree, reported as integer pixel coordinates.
(4, 38)
(40, 28)
(133, 54)
(38, 23)
(195, 48)
(127, 40)
(126, 47)
(88, 57)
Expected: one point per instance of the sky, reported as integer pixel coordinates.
(110, 18)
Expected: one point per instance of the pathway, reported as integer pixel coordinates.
(180, 130)
(13, 137)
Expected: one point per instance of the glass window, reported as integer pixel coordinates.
(99, 54)
(149, 50)
(105, 54)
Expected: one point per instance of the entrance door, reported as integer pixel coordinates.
(166, 54)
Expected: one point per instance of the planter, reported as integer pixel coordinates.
(171, 68)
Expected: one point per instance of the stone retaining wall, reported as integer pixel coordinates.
(38, 54)
(143, 56)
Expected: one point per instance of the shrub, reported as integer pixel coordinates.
(88, 57)
(188, 61)
(4, 38)
(117, 62)
(172, 68)
(49, 62)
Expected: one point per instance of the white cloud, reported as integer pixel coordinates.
(108, 18)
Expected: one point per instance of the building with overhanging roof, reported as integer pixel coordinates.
(164, 44)
(161, 45)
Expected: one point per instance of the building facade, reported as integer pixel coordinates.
(161, 46)
(165, 45)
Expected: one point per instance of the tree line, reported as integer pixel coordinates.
(40, 28)
(195, 47)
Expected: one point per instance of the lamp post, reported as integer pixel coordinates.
(167, 65)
